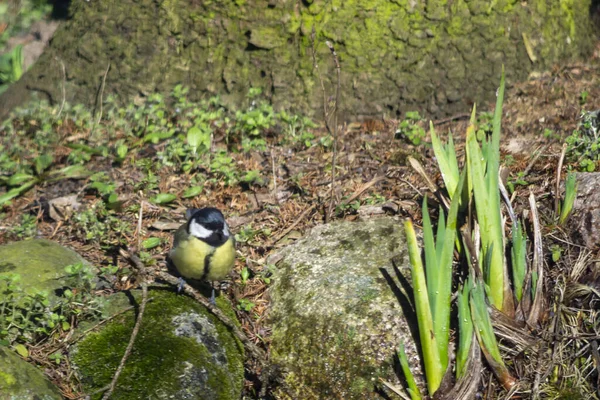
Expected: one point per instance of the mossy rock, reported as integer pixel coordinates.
(337, 315)
(22, 381)
(40, 263)
(181, 352)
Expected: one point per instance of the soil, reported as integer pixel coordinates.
(371, 173)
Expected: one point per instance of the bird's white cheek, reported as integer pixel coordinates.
(199, 231)
(226, 230)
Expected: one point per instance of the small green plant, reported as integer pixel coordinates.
(583, 97)
(410, 128)
(296, 129)
(583, 145)
(515, 181)
(483, 250)
(102, 225)
(375, 198)
(163, 198)
(245, 305)
(570, 194)
(11, 67)
(151, 243)
(248, 233)
(550, 134)
(223, 166)
(28, 317)
(253, 177)
(432, 288)
(353, 206)
(245, 275)
(104, 186)
(28, 227)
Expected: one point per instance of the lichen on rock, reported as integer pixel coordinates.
(337, 315)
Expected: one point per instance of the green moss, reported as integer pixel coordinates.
(390, 49)
(160, 358)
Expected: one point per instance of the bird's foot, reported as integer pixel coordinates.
(212, 298)
(180, 285)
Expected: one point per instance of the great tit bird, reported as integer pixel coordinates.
(203, 248)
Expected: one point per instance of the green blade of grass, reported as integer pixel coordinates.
(15, 192)
(495, 229)
(446, 160)
(465, 329)
(519, 259)
(570, 194)
(486, 338)
(431, 258)
(482, 322)
(431, 359)
(441, 229)
(483, 174)
(413, 390)
(443, 290)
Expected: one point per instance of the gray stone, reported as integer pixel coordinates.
(337, 319)
(585, 217)
(22, 381)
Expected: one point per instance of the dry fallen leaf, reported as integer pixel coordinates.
(61, 208)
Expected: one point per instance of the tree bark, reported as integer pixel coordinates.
(435, 56)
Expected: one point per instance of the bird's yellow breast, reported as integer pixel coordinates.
(192, 256)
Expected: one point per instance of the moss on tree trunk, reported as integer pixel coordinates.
(436, 56)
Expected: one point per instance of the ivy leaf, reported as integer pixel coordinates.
(151, 243)
(192, 192)
(163, 198)
(22, 350)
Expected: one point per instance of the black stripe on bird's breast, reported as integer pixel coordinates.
(207, 265)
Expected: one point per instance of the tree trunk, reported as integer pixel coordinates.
(436, 56)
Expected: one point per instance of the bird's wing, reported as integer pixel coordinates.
(180, 235)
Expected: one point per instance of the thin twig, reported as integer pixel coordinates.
(452, 118)
(558, 169)
(102, 92)
(316, 67)
(335, 124)
(136, 329)
(139, 226)
(96, 326)
(274, 175)
(509, 207)
(362, 189)
(537, 265)
(293, 225)
(537, 153)
(399, 391)
(101, 98)
(64, 90)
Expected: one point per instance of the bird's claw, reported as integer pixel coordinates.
(180, 285)
(212, 298)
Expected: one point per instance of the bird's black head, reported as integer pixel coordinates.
(208, 224)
